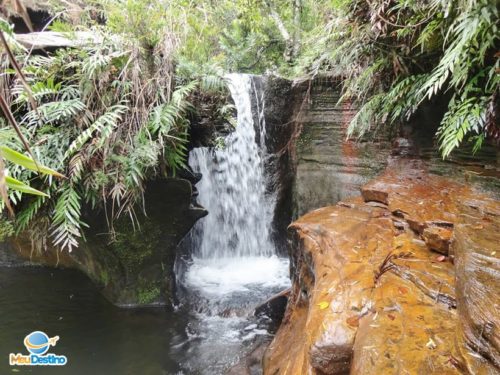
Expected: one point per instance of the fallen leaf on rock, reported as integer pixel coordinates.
(390, 316)
(323, 305)
(402, 290)
(431, 344)
(353, 321)
(440, 258)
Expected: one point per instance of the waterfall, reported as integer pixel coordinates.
(233, 265)
(233, 188)
(232, 247)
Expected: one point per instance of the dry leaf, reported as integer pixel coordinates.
(323, 305)
(402, 290)
(431, 344)
(353, 321)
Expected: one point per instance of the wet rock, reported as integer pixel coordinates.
(277, 103)
(370, 297)
(413, 194)
(376, 192)
(438, 239)
(274, 307)
(333, 278)
(330, 167)
(251, 364)
(403, 146)
(407, 332)
(476, 249)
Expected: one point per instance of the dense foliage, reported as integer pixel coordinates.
(397, 55)
(108, 115)
(111, 115)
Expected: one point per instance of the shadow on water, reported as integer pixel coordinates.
(95, 336)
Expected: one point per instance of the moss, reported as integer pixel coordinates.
(134, 246)
(148, 294)
(104, 277)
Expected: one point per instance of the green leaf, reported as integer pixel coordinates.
(14, 184)
(26, 162)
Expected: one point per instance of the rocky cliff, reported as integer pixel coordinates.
(404, 279)
(330, 167)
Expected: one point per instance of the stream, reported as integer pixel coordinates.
(232, 266)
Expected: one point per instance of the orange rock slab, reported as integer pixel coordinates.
(371, 296)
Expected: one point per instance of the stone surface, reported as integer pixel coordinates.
(251, 364)
(476, 249)
(137, 267)
(329, 168)
(274, 101)
(274, 307)
(370, 297)
(438, 239)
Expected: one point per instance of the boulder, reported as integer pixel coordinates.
(438, 239)
(274, 307)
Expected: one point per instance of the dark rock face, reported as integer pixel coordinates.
(330, 167)
(274, 101)
(137, 267)
(274, 307)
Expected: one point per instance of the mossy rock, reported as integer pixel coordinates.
(133, 267)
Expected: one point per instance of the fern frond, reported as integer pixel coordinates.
(465, 116)
(54, 112)
(26, 216)
(66, 219)
(212, 84)
(366, 116)
(104, 125)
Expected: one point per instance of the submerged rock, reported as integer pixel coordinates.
(370, 295)
(274, 307)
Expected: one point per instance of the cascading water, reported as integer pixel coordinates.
(232, 246)
(233, 264)
(233, 189)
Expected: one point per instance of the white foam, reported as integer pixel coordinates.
(228, 275)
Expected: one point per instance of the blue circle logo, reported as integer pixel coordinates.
(37, 342)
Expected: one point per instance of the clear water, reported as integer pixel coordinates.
(95, 336)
